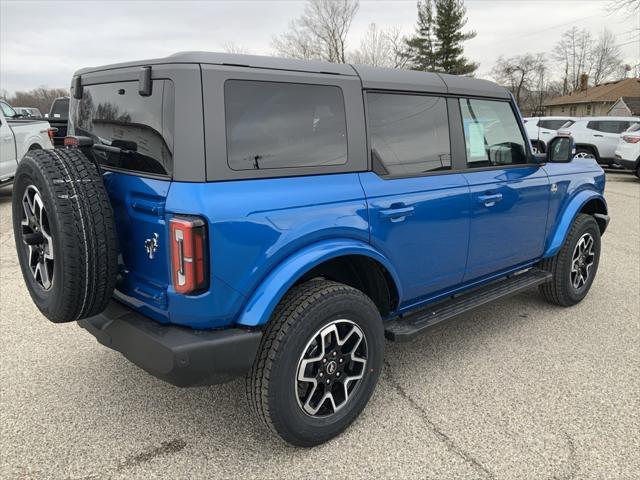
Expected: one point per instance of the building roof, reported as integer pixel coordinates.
(606, 92)
(371, 77)
(632, 103)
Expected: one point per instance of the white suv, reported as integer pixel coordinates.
(599, 136)
(542, 129)
(628, 151)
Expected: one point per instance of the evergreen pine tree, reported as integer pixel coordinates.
(420, 47)
(448, 51)
(437, 43)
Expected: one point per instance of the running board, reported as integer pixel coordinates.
(405, 328)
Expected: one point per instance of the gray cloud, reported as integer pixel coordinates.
(42, 43)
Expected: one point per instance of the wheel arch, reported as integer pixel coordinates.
(325, 259)
(591, 147)
(586, 201)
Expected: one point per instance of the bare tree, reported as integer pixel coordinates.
(526, 77)
(381, 48)
(233, 47)
(398, 41)
(320, 33)
(606, 58)
(629, 6)
(40, 98)
(572, 52)
(518, 73)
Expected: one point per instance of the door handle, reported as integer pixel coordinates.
(396, 213)
(489, 200)
(597, 135)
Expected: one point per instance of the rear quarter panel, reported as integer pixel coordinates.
(256, 224)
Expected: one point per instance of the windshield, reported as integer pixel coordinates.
(7, 110)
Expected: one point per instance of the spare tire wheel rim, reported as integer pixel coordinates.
(36, 236)
(582, 261)
(331, 368)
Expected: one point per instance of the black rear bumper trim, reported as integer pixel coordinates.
(181, 356)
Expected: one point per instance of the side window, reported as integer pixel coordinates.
(284, 125)
(409, 133)
(608, 126)
(552, 124)
(491, 134)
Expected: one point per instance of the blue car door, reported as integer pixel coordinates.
(509, 195)
(418, 207)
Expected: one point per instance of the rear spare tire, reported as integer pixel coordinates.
(65, 234)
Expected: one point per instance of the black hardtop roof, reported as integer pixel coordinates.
(371, 77)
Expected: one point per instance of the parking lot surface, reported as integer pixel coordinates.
(517, 389)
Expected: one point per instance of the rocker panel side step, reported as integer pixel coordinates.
(405, 328)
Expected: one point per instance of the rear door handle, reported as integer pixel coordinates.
(489, 200)
(396, 213)
(597, 135)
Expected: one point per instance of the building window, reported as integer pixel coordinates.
(572, 110)
(588, 109)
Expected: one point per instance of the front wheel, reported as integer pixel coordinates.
(574, 267)
(319, 362)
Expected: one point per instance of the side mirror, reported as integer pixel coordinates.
(561, 149)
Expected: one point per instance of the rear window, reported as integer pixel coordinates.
(138, 129)
(60, 109)
(284, 125)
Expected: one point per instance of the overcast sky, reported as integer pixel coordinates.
(44, 42)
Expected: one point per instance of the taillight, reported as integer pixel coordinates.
(631, 138)
(188, 241)
(71, 142)
(51, 132)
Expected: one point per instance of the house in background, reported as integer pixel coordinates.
(625, 107)
(593, 101)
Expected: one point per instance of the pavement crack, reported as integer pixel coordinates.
(443, 437)
(165, 448)
(572, 458)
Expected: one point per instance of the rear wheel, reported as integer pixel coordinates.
(584, 152)
(319, 362)
(574, 267)
(64, 233)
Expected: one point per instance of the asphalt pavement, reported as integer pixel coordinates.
(515, 390)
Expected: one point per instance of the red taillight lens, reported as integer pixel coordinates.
(631, 138)
(188, 254)
(51, 132)
(71, 141)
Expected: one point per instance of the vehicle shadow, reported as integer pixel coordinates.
(222, 413)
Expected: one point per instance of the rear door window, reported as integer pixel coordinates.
(491, 133)
(284, 125)
(409, 134)
(608, 126)
(133, 133)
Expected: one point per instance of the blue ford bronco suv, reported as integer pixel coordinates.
(215, 216)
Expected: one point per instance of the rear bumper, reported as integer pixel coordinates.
(628, 164)
(181, 356)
